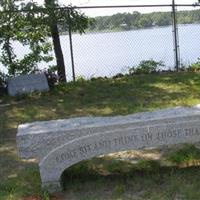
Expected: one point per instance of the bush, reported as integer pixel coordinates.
(195, 67)
(146, 67)
(51, 76)
(81, 79)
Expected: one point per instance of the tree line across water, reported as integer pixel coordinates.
(137, 20)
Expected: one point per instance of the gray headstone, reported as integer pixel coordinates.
(27, 84)
(58, 144)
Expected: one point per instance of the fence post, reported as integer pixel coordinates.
(175, 36)
(71, 47)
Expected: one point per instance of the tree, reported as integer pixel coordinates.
(56, 16)
(27, 29)
(33, 29)
(139, 20)
(51, 5)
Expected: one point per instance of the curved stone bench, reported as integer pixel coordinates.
(59, 144)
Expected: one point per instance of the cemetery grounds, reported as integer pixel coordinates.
(164, 174)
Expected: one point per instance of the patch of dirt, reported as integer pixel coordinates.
(153, 154)
(57, 196)
(32, 198)
(52, 197)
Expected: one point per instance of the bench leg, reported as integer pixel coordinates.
(52, 186)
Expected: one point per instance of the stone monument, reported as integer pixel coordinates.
(27, 83)
(59, 144)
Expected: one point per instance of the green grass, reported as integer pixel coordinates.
(135, 183)
(188, 155)
(102, 178)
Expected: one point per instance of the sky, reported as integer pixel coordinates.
(102, 12)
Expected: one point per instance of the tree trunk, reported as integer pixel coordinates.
(51, 4)
(58, 53)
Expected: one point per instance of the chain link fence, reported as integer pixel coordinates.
(188, 25)
(115, 43)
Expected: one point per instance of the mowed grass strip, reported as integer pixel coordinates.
(101, 97)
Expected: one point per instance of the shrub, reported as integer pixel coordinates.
(195, 67)
(146, 67)
(81, 79)
(51, 76)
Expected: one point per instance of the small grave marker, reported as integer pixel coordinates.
(27, 83)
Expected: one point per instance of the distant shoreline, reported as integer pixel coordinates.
(120, 30)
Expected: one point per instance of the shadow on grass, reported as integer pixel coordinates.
(103, 178)
(18, 178)
(24, 182)
(102, 98)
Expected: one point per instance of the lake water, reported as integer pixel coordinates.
(106, 54)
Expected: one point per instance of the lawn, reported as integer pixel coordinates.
(107, 177)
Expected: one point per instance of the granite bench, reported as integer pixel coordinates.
(59, 144)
